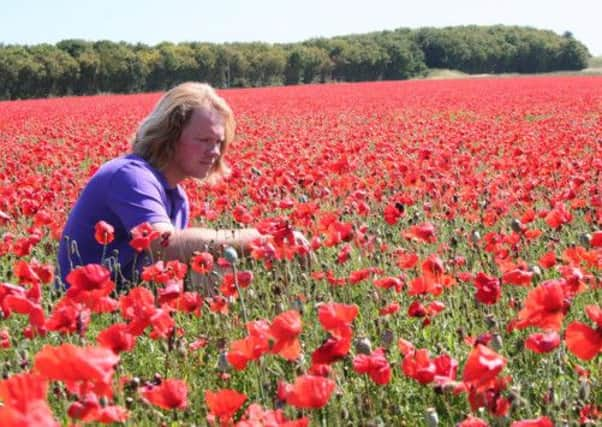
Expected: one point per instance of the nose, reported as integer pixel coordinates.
(214, 150)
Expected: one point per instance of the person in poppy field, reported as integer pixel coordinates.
(134, 199)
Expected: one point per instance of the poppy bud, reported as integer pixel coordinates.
(535, 270)
(584, 389)
(182, 347)
(230, 254)
(256, 171)
(475, 236)
(279, 307)
(516, 226)
(496, 342)
(490, 321)
(103, 401)
(222, 362)
(431, 418)
(303, 198)
(585, 239)
(363, 345)
(297, 305)
(129, 402)
(135, 383)
(386, 338)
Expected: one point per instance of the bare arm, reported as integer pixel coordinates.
(182, 243)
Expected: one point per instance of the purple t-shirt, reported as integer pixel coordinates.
(124, 192)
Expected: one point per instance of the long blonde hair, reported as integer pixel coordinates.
(156, 137)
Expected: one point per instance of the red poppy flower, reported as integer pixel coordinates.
(333, 348)
(170, 394)
(472, 422)
(517, 277)
(406, 260)
(335, 316)
(424, 232)
(188, 302)
(117, 337)
(218, 304)
(596, 240)
(558, 216)
(69, 317)
(358, 276)
(392, 308)
(163, 272)
(89, 409)
(392, 214)
(547, 260)
(537, 422)
(419, 366)
(425, 285)
(583, 341)
(89, 282)
(202, 262)
(544, 307)
(224, 403)
(93, 365)
(308, 392)
(375, 365)
(488, 289)
(482, 367)
(543, 342)
(18, 303)
(256, 416)
(4, 217)
(241, 352)
(4, 338)
(33, 272)
(285, 330)
(142, 236)
(104, 233)
(24, 401)
(389, 283)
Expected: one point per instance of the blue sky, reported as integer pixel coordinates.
(153, 21)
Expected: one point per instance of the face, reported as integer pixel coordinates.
(198, 148)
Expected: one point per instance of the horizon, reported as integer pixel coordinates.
(268, 21)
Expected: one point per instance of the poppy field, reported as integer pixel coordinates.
(454, 274)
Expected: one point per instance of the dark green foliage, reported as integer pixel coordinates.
(81, 67)
(500, 49)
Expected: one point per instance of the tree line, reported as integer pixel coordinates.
(79, 67)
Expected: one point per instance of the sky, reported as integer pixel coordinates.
(279, 21)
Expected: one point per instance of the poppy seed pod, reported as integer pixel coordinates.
(585, 239)
(222, 362)
(535, 270)
(475, 236)
(496, 342)
(230, 254)
(386, 338)
(431, 418)
(584, 389)
(363, 345)
(516, 226)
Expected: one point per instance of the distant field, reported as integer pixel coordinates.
(594, 69)
(440, 74)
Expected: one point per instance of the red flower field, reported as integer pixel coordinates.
(456, 231)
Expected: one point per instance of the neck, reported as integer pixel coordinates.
(173, 177)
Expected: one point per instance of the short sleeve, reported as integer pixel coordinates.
(135, 196)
